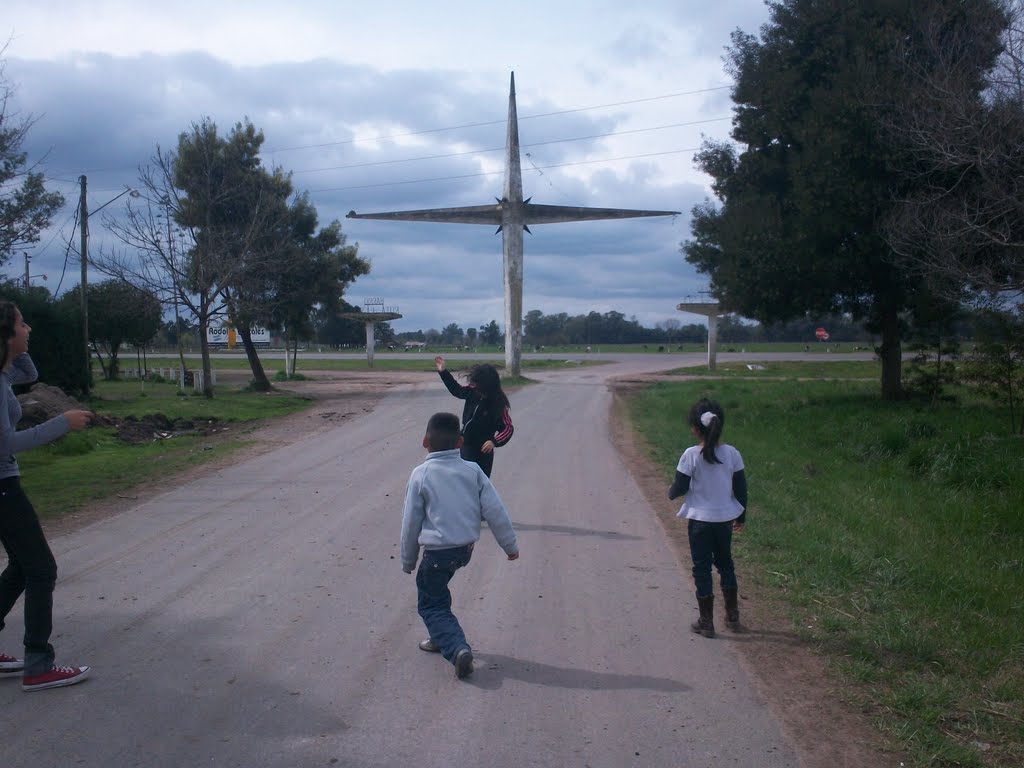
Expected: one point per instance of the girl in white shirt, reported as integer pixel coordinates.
(711, 477)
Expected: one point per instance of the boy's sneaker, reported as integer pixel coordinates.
(10, 664)
(464, 663)
(56, 677)
(429, 646)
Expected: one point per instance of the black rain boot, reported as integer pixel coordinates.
(705, 625)
(732, 608)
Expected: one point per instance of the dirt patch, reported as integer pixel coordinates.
(795, 683)
(334, 398)
(157, 426)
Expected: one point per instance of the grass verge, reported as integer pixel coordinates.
(94, 464)
(353, 364)
(893, 535)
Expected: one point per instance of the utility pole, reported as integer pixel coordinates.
(27, 278)
(83, 215)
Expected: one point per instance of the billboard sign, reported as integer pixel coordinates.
(226, 336)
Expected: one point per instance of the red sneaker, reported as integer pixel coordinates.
(55, 678)
(10, 664)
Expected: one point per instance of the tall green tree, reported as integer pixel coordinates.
(491, 334)
(336, 331)
(120, 313)
(237, 213)
(26, 207)
(805, 187)
(312, 269)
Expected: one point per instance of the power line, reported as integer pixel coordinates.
(270, 151)
(496, 122)
(502, 149)
(67, 253)
(495, 173)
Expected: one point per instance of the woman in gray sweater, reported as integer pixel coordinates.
(30, 565)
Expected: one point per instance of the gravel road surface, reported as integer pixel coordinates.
(258, 615)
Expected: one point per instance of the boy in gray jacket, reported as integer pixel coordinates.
(446, 500)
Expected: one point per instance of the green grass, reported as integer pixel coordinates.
(894, 535)
(60, 482)
(135, 398)
(825, 369)
(95, 464)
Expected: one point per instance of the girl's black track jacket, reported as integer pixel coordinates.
(481, 420)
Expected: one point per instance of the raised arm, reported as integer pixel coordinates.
(454, 387)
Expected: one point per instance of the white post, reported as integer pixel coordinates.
(369, 342)
(712, 340)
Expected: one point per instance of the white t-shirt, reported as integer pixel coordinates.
(710, 496)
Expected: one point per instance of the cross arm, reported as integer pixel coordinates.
(473, 214)
(554, 214)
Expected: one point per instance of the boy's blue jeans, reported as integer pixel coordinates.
(434, 600)
(711, 544)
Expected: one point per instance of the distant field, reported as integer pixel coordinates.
(348, 363)
(237, 355)
(830, 368)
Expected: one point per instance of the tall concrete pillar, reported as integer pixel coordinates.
(710, 310)
(369, 343)
(712, 341)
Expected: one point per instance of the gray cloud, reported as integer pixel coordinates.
(104, 116)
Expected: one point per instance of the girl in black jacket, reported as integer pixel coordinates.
(486, 422)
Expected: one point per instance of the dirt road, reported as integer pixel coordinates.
(258, 616)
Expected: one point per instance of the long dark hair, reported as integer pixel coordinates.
(485, 379)
(8, 327)
(711, 432)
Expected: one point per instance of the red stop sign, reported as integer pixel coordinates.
(821, 333)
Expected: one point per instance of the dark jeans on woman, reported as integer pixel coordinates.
(484, 460)
(711, 544)
(30, 569)
(434, 600)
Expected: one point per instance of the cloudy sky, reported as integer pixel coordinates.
(401, 105)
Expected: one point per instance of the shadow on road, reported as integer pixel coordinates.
(493, 669)
(572, 531)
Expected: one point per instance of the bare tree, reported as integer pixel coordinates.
(157, 254)
(963, 227)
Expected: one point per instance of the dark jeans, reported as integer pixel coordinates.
(434, 600)
(484, 460)
(711, 544)
(30, 569)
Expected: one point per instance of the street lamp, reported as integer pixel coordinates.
(84, 231)
(28, 277)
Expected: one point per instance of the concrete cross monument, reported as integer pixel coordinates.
(512, 214)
